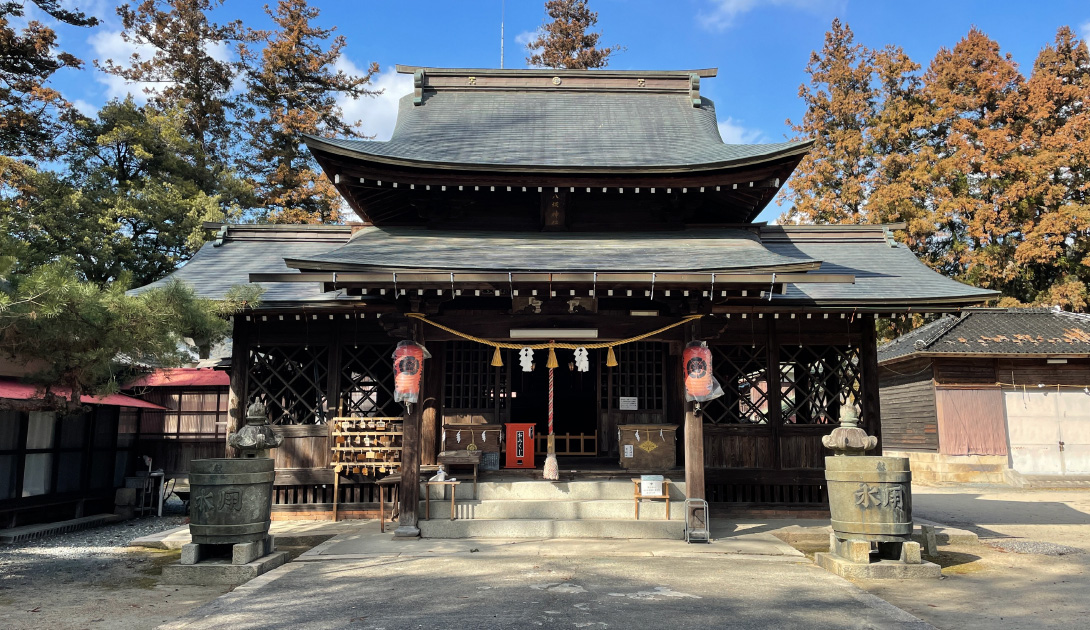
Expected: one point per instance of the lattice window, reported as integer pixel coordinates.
(471, 380)
(742, 372)
(816, 381)
(291, 381)
(639, 373)
(367, 381)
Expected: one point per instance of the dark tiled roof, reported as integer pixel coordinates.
(558, 131)
(995, 331)
(397, 248)
(885, 274)
(213, 270)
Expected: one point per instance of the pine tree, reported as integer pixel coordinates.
(292, 90)
(565, 42)
(830, 184)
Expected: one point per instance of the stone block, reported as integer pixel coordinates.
(221, 572)
(881, 570)
(910, 553)
(244, 553)
(929, 539)
(857, 551)
(125, 497)
(192, 553)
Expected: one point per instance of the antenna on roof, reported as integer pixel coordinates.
(503, 4)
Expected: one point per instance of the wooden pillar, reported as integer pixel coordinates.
(409, 490)
(868, 362)
(431, 397)
(236, 395)
(694, 439)
(774, 391)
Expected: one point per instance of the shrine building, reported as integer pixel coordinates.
(592, 216)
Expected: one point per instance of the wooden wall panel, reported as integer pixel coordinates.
(732, 449)
(971, 421)
(803, 451)
(1034, 371)
(909, 419)
(965, 371)
(304, 446)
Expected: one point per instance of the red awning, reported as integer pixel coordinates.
(183, 377)
(27, 391)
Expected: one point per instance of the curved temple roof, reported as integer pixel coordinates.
(590, 121)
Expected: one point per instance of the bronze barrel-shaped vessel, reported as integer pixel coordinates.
(870, 498)
(230, 500)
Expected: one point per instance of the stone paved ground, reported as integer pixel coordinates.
(1028, 573)
(500, 591)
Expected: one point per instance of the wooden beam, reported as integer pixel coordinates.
(868, 360)
(432, 401)
(236, 395)
(409, 491)
(694, 439)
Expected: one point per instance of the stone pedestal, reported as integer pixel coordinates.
(205, 564)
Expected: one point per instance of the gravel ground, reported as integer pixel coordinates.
(92, 579)
(1037, 547)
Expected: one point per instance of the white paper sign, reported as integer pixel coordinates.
(628, 450)
(629, 403)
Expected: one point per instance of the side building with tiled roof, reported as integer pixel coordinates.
(996, 395)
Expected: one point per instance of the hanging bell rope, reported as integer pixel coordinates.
(552, 362)
(611, 358)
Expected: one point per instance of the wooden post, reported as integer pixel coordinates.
(694, 441)
(868, 362)
(431, 393)
(236, 396)
(409, 491)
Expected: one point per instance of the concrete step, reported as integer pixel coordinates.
(607, 509)
(544, 528)
(540, 490)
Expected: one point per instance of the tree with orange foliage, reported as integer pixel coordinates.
(565, 42)
(292, 89)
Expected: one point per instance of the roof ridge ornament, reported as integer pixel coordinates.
(418, 87)
(694, 89)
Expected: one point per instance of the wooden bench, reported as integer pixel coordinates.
(665, 495)
(427, 496)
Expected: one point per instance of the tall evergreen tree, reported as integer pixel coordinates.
(565, 43)
(1053, 188)
(185, 71)
(830, 185)
(292, 89)
(974, 91)
(30, 110)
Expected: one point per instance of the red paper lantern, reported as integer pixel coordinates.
(698, 371)
(408, 363)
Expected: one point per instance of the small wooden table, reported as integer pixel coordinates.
(427, 496)
(389, 481)
(665, 495)
(462, 458)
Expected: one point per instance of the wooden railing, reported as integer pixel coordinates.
(566, 441)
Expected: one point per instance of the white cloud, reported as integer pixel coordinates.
(85, 108)
(378, 113)
(723, 13)
(523, 40)
(110, 45)
(733, 132)
(1084, 28)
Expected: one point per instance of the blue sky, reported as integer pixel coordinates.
(761, 47)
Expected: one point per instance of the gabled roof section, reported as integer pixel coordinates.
(558, 121)
(243, 249)
(989, 332)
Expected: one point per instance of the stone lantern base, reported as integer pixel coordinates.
(893, 560)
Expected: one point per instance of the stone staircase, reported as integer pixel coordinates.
(533, 508)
